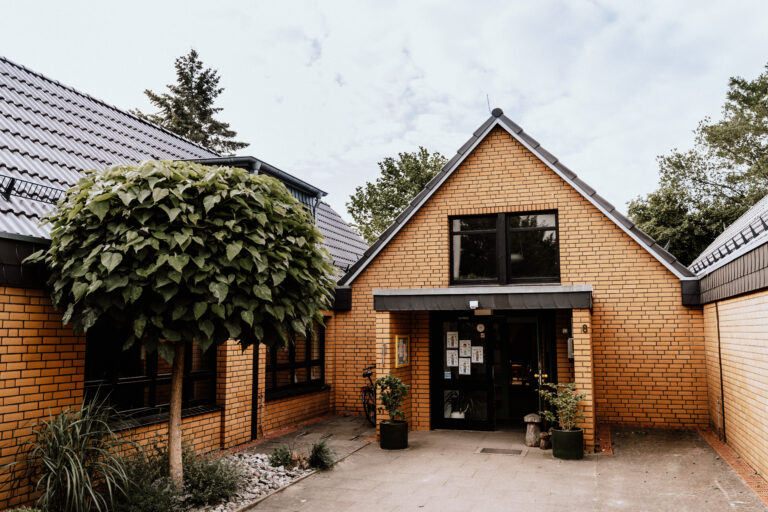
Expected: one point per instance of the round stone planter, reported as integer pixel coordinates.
(568, 444)
(393, 434)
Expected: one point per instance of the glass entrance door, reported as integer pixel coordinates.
(462, 363)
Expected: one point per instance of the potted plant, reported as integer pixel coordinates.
(568, 440)
(457, 404)
(393, 432)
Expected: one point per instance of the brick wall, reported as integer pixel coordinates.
(744, 349)
(648, 351)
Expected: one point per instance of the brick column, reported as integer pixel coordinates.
(234, 392)
(582, 366)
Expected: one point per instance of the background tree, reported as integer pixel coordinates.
(187, 109)
(375, 206)
(708, 187)
(181, 253)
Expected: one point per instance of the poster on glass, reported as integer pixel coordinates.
(401, 345)
(477, 354)
(452, 358)
(452, 339)
(465, 348)
(465, 366)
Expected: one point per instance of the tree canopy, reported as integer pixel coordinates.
(188, 108)
(181, 253)
(375, 206)
(706, 188)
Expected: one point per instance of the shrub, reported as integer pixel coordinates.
(210, 479)
(24, 509)
(392, 393)
(564, 399)
(322, 456)
(73, 460)
(281, 456)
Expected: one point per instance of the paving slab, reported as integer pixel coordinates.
(651, 470)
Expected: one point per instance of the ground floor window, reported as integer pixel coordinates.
(139, 383)
(297, 368)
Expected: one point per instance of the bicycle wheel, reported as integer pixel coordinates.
(369, 406)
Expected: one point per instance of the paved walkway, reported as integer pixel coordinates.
(444, 470)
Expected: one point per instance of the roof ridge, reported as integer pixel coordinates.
(103, 103)
(498, 118)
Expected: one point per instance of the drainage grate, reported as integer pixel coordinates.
(502, 451)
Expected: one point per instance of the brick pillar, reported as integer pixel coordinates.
(234, 392)
(582, 365)
(384, 354)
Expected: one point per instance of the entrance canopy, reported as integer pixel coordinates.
(483, 297)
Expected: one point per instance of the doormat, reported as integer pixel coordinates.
(502, 451)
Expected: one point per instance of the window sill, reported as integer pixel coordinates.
(161, 417)
(271, 396)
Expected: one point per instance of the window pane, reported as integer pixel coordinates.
(269, 375)
(317, 373)
(532, 221)
(316, 348)
(533, 254)
(283, 356)
(474, 223)
(300, 376)
(474, 256)
(201, 361)
(301, 349)
(283, 378)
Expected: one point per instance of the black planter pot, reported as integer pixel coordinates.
(393, 434)
(568, 444)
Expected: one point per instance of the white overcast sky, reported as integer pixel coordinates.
(324, 90)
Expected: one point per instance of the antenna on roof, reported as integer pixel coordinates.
(666, 245)
(488, 101)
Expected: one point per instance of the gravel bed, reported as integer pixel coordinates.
(261, 480)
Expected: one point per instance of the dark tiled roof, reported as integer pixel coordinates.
(499, 119)
(344, 245)
(745, 234)
(50, 132)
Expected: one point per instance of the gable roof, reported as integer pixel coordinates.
(499, 119)
(49, 132)
(746, 233)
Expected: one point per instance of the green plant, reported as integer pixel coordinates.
(73, 459)
(459, 402)
(565, 402)
(392, 392)
(321, 456)
(24, 509)
(210, 479)
(281, 456)
(149, 489)
(181, 253)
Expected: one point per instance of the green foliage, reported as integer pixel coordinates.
(281, 456)
(321, 456)
(392, 392)
(208, 480)
(149, 488)
(187, 109)
(24, 509)
(184, 252)
(565, 401)
(73, 460)
(706, 188)
(376, 205)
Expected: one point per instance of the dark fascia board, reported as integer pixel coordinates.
(498, 119)
(488, 297)
(253, 164)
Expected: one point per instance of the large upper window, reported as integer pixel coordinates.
(139, 383)
(297, 368)
(505, 248)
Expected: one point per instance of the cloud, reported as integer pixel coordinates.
(324, 90)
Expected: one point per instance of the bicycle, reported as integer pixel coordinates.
(368, 396)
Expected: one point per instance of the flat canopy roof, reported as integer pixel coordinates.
(488, 297)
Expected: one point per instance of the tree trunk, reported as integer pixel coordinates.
(174, 421)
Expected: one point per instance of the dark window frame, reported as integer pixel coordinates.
(502, 247)
(272, 367)
(109, 386)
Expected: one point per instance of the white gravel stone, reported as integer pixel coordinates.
(261, 479)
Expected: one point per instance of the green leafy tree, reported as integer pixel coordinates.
(375, 206)
(182, 253)
(709, 186)
(187, 109)
(392, 393)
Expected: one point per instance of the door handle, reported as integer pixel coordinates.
(543, 375)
